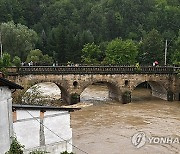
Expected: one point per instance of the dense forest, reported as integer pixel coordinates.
(91, 31)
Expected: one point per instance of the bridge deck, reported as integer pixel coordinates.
(25, 70)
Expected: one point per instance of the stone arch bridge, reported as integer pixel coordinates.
(121, 80)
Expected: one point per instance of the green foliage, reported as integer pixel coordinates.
(91, 54)
(61, 28)
(5, 61)
(46, 59)
(16, 61)
(17, 39)
(33, 96)
(38, 152)
(152, 48)
(37, 57)
(16, 147)
(138, 68)
(176, 57)
(75, 98)
(66, 152)
(126, 97)
(121, 52)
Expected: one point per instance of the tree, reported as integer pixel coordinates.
(34, 56)
(151, 48)
(63, 27)
(91, 54)
(37, 57)
(46, 59)
(16, 61)
(17, 39)
(176, 57)
(5, 61)
(121, 52)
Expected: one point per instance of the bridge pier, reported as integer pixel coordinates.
(170, 96)
(65, 98)
(126, 97)
(177, 96)
(74, 99)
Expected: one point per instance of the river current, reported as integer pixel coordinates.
(107, 127)
(147, 125)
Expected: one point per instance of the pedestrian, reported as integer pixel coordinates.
(31, 63)
(156, 63)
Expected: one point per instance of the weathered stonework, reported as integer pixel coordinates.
(70, 84)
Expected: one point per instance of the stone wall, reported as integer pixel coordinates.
(117, 83)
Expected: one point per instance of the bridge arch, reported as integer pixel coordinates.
(114, 89)
(62, 85)
(158, 89)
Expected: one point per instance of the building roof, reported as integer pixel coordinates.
(11, 85)
(43, 108)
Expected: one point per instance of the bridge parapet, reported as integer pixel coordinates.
(91, 70)
(72, 80)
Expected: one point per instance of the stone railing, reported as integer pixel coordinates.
(25, 70)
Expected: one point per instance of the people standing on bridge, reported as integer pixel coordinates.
(155, 63)
(30, 63)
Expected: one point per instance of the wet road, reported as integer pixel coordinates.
(108, 127)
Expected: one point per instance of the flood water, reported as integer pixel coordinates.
(108, 127)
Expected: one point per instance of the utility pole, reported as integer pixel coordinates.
(165, 55)
(1, 45)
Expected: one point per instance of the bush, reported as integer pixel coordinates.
(126, 97)
(5, 61)
(38, 152)
(17, 61)
(16, 147)
(65, 152)
(138, 68)
(75, 98)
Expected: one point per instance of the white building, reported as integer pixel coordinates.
(44, 128)
(6, 125)
(35, 127)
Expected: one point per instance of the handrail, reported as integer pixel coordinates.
(25, 70)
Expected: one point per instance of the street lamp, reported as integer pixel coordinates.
(165, 54)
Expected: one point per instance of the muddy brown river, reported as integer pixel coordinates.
(108, 127)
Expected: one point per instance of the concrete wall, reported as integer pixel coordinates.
(33, 135)
(5, 119)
